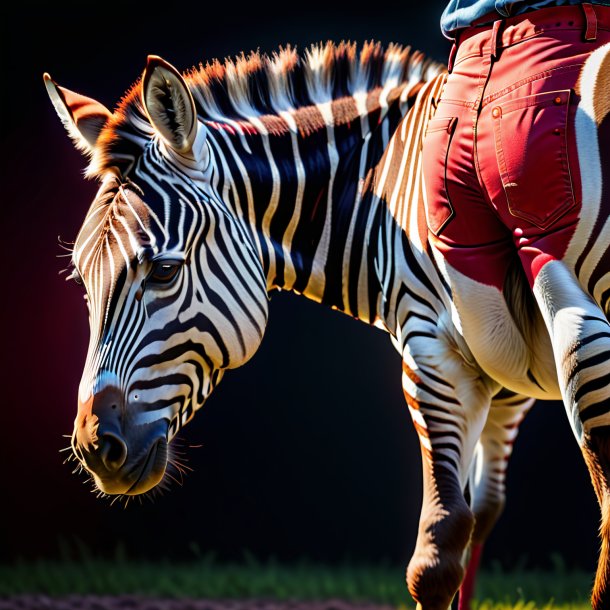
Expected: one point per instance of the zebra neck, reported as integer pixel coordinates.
(305, 199)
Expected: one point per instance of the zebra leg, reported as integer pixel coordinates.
(580, 335)
(488, 475)
(448, 401)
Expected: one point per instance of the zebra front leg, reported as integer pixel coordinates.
(448, 402)
(580, 335)
(487, 477)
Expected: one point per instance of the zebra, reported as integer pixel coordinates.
(275, 172)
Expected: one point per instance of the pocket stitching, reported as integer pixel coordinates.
(446, 123)
(451, 130)
(570, 202)
(545, 74)
(533, 100)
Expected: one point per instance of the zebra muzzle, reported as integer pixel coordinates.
(123, 455)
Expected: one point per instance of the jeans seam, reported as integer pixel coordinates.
(530, 79)
(475, 149)
(457, 102)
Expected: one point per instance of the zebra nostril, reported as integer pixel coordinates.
(113, 451)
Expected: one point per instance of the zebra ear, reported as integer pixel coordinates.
(82, 116)
(169, 104)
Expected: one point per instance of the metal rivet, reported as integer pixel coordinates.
(495, 113)
(556, 131)
(558, 100)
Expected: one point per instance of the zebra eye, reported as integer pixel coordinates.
(164, 272)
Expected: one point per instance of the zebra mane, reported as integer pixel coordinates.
(258, 85)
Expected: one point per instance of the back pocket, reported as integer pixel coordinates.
(439, 210)
(532, 154)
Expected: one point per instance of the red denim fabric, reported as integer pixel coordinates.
(499, 157)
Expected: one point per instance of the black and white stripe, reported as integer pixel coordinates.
(278, 196)
(302, 175)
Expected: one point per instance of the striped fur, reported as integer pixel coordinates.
(287, 185)
(556, 344)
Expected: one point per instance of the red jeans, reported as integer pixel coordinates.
(499, 157)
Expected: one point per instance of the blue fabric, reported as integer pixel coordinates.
(461, 13)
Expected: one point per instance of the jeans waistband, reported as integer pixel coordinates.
(488, 34)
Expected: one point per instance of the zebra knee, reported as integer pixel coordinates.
(435, 571)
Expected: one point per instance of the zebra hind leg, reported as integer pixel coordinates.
(487, 477)
(580, 335)
(448, 404)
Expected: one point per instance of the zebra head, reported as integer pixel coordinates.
(174, 285)
(217, 187)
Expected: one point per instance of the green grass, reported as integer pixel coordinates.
(205, 578)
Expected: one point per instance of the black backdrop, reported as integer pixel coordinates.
(308, 450)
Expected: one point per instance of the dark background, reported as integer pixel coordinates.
(308, 450)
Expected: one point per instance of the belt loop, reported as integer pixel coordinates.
(591, 18)
(494, 38)
(452, 56)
